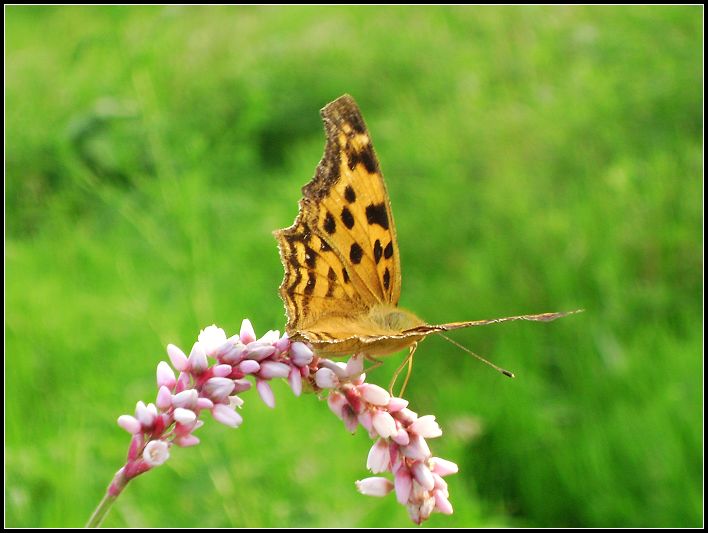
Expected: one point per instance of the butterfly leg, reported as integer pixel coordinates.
(376, 363)
(407, 361)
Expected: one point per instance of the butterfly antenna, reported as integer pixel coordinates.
(495, 367)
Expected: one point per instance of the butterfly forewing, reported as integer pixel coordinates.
(341, 256)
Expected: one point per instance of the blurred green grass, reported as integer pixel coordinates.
(537, 158)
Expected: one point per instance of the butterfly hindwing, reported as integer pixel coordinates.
(316, 284)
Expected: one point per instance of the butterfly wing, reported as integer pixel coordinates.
(347, 203)
(340, 256)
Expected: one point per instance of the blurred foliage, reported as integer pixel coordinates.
(537, 158)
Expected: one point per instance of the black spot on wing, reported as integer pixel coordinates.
(378, 251)
(349, 194)
(387, 278)
(388, 251)
(310, 257)
(347, 217)
(332, 280)
(330, 226)
(311, 281)
(345, 275)
(355, 254)
(365, 156)
(376, 214)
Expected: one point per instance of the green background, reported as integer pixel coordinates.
(537, 158)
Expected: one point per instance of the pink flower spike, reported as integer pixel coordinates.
(185, 441)
(249, 366)
(198, 362)
(326, 379)
(247, 333)
(442, 504)
(265, 392)
(443, 467)
(423, 475)
(221, 371)
(374, 394)
(295, 381)
(184, 416)
(426, 427)
(384, 424)
(396, 404)
(164, 398)
(379, 458)
(274, 369)
(179, 360)
(374, 486)
(156, 452)
(204, 403)
(403, 485)
(300, 354)
(165, 375)
(211, 339)
(130, 424)
(226, 415)
(218, 388)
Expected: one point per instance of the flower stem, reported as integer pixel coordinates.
(114, 489)
(100, 513)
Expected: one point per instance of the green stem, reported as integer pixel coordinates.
(114, 489)
(100, 513)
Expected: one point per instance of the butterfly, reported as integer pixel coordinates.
(342, 265)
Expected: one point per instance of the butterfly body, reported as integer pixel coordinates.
(376, 333)
(342, 277)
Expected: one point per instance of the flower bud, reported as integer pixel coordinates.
(165, 375)
(379, 457)
(211, 339)
(326, 379)
(185, 416)
(384, 424)
(247, 333)
(130, 424)
(179, 360)
(265, 392)
(374, 394)
(300, 354)
(218, 388)
(374, 486)
(226, 415)
(198, 362)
